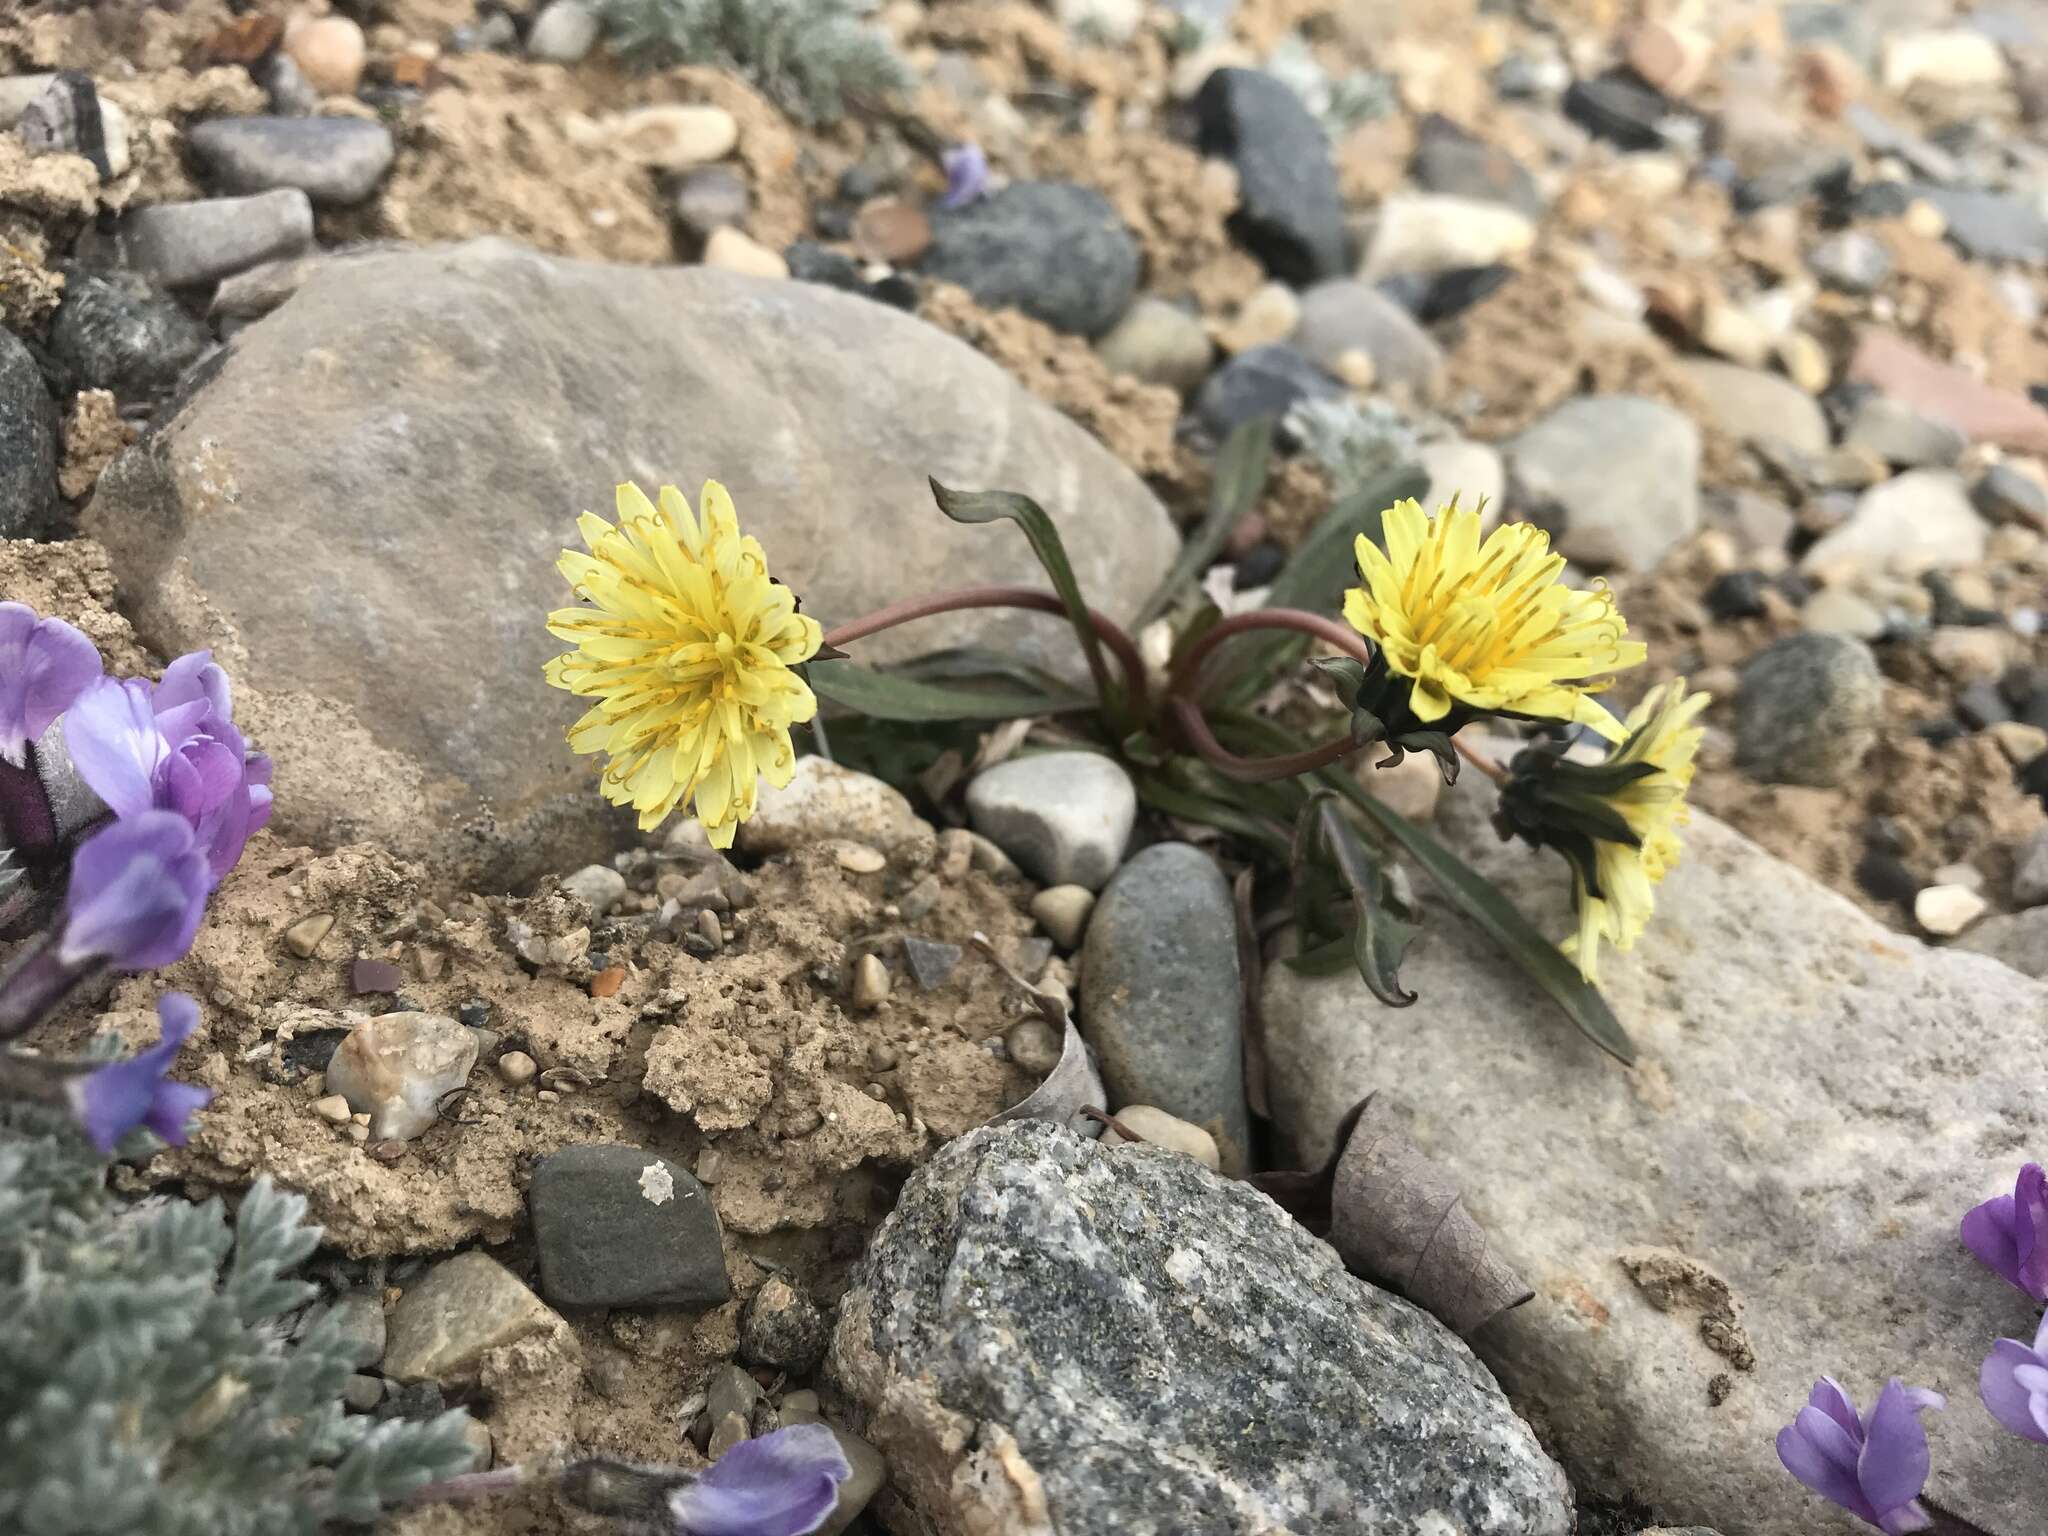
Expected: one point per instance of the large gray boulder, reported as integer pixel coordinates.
(1771, 1195)
(362, 506)
(1048, 1336)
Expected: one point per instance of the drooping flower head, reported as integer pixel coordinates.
(45, 664)
(687, 648)
(782, 1484)
(1483, 627)
(173, 746)
(2010, 1233)
(1873, 1468)
(138, 889)
(1616, 822)
(122, 1095)
(2014, 1385)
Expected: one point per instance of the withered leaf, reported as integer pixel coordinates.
(1073, 1085)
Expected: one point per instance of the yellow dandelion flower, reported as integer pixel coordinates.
(687, 646)
(1484, 627)
(1664, 734)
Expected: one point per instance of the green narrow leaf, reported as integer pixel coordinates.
(1378, 937)
(1190, 805)
(1475, 896)
(883, 696)
(1241, 466)
(993, 506)
(1314, 578)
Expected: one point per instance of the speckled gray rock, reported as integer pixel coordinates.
(1346, 315)
(1161, 1000)
(335, 161)
(1615, 478)
(1808, 710)
(1054, 250)
(1911, 522)
(618, 1227)
(1818, 1101)
(360, 1317)
(1265, 381)
(115, 331)
(463, 466)
(185, 244)
(1289, 213)
(782, 1328)
(2017, 939)
(28, 443)
(1064, 816)
(1051, 1336)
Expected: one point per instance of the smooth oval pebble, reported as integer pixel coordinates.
(330, 53)
(891, 230)
(1062, 911)
(737, 252)
(859, 858)
(516, 1067)
(1034, 1045)
(673, 138)
(1160, 1129)
(1946, 910)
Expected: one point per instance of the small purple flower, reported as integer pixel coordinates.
(173, 747)
(2014, 1385)
(1874, 1469)
(122, 1095)
(138, 889)
(2010, 1233)
(45, 664)
(966, 174)
(783, 1484)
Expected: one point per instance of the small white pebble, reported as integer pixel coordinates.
(657, 1184)
(333, 1109)
(1946, 910)
(516, 1067)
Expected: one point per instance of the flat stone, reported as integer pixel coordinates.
(710, 198)
(1155, 1127)
(1921, 520)
(115, 331)
(1948, 59)
(1289, 214)
(672, 136)
(618, 1227)
(1052, 249)
(1946, 910)
(360, 1317)
(1751, 405)
(28, 443)
(1424, 232)
(1904, 437)
(1266, 381)
(1450, 161)
(732, 249)
(335, 161)
(1989, 226)
(2015, 939)
(1809, 710)
(1345, 315)
(825, 802)
(822, 412)
(1688, 1226)
(1064, 816)
(1838, 611)
(455, 1314)
(1158, 342)
(184, 244)
(397, 1067)
(1034, 1293)
(1161, 998)
(1984, 413)
(1620, 109)
(1615, 478)
(2030, 872)
(2008, 495)
(1062, 911)
(563, 33)
(598, 886)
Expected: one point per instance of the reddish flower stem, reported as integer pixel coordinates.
(1183, 689)
(1481, 761)
(1108, 631)
(1250, 770)
(1339, 636)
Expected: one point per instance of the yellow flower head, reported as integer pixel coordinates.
(1662, 732)
(687, 647)
(1485, 625)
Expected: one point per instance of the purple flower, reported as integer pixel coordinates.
(173, 747)
(2014, 1385)
(120, 1096)
(44, 665)
(138, 888)
(2010, 1233)
(966, 174)
(782, 1484)
(1874, 1470)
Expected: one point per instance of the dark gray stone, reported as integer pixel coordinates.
(1161, 998)
(28, 443)
(1289, 214)
(1903, 437)
(2006, 495)
(360, 1317)
(1158, 1351)
(1808, 710)
(1450, 160)
(335, 161)
(1615, 478)
(1991, 226)
(115, 331)
(184, 244)
(1619, 108)
(618, 1227)
(1344, 315)
(1054, 250)
(781, 1327)
(1266, 381)
(714, 197)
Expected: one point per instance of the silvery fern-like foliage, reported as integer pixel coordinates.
(807, 56)
(147, 1386)
(1356, 441)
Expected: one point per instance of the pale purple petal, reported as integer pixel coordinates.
(112, 736)
(783, 1484)
(1831, 1400)
(194, 679)
(138, 890)
(45, 664)
(122, 1095)
(1895, 1460)
(2030, 1230)
(966, 174)
(2007, 1400)
(1904, 1520)
(1819, 1472)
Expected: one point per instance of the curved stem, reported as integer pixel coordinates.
(1481, 761)
(1250, 770)
(1107, 630)
(1340, 636)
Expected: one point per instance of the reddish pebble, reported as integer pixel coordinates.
(608, 981)
(367, 976)
(891, 231)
